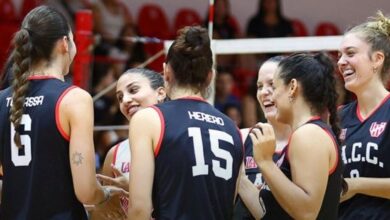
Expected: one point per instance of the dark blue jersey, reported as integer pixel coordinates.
(366, 153)
(329, 207)
(37, 181)
(197, 162)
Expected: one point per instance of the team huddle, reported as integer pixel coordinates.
(183, 158)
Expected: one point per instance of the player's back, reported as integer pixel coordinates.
(37, 181)
(197, 162)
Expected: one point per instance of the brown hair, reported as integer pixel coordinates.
(34, 42)
(190, 58)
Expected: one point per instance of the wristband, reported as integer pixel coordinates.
(107, 195)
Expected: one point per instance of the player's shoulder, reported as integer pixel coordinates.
(75, 94)
(347, 109)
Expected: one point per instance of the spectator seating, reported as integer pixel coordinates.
(152, 22)
(326, 29)
(299, 27)
(186, 17)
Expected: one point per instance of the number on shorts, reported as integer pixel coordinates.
(201, 168)
(21, 160)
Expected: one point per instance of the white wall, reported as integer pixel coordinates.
(341, 12)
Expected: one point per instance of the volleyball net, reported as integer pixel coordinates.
(272, 45)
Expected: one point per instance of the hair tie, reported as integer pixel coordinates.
(28, 30)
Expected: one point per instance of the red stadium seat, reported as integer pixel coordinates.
(28, 5)
(236, 27)
(152, 22)
(7, 11)
(299, 28)
(7, 30)
(326, 29)
(8, 25)
(186, 17)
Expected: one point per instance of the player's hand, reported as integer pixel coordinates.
(121, 180)
(263, 139)
(116, 191)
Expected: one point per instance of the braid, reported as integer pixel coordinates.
(330, 101)
(20, 82)
(333, 117)
(329, 90)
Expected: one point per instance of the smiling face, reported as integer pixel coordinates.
(354, 63)
(134, 92)
(265, 89)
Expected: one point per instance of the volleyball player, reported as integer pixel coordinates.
(136, 89)
(365, 63)
(186, 155)
(247, 207)
(46, 146)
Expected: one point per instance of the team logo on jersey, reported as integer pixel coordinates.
(377, 129)
(343, 133)
(250, 163)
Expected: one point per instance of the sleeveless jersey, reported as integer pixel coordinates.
(197, 162)
(329, 207)
(121, 160)
(253, 173)
(37, 181)
(366, 153)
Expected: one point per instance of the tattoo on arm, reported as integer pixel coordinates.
(77, 158)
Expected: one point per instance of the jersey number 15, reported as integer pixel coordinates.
(201, 168)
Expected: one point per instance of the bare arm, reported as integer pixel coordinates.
(107, 170)
(249, 194)
(377, 187)
(145, 128)
(76, 119)
(302, 197)
(111, 175)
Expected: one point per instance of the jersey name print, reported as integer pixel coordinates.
(29, 101)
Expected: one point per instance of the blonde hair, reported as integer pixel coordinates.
(376, 32)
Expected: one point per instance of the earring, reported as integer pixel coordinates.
(290, 99)
(375, 69)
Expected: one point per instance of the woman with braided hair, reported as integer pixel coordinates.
(365, 64)
(46, 145)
